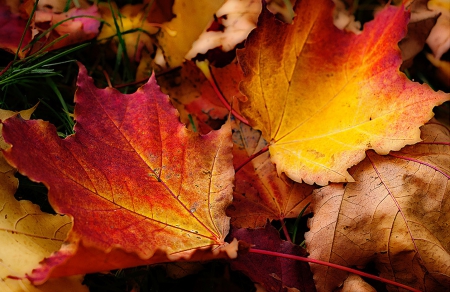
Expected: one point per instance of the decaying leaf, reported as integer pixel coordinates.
(260, 194)
(322, 96)
(192, 17)
(140, 187)
(27, 235)
(274, 273)
(396, 215)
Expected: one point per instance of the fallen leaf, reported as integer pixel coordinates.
(274, 273)
(261, 195)
(5, 114)
(12, 27)
(396, 215)
(140, 187)
(208, 105)
(192, 17)
(194, 97)
(322, 96)
(84, 26)
(27, 234)
(236, 18)
(183, 86)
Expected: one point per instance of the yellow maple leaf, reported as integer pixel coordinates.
(323, 96)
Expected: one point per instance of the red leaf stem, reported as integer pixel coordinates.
(347, 269)
(263, 150)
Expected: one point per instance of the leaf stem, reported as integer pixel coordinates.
(421, 162)
(263, 150)
(204, 67)
(285, 231)
(347, 269)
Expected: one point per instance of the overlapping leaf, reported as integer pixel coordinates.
(77, 25)
(395, 215)
(275, 274)
(322, 96)
(12, 26)
(260, 194)
(27, 234)
(194, 96)
(140, 187)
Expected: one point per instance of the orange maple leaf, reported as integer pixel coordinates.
(140, 187)
(322, 96)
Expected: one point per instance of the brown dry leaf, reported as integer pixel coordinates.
(260, 194)
(396, 214)
(27, 235)
(192, 17)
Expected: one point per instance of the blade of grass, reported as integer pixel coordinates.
(40, 64)
(297, 221)
(122, 49)
(55, 89)
(26, 28)
(59, 116)
(44, 33)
